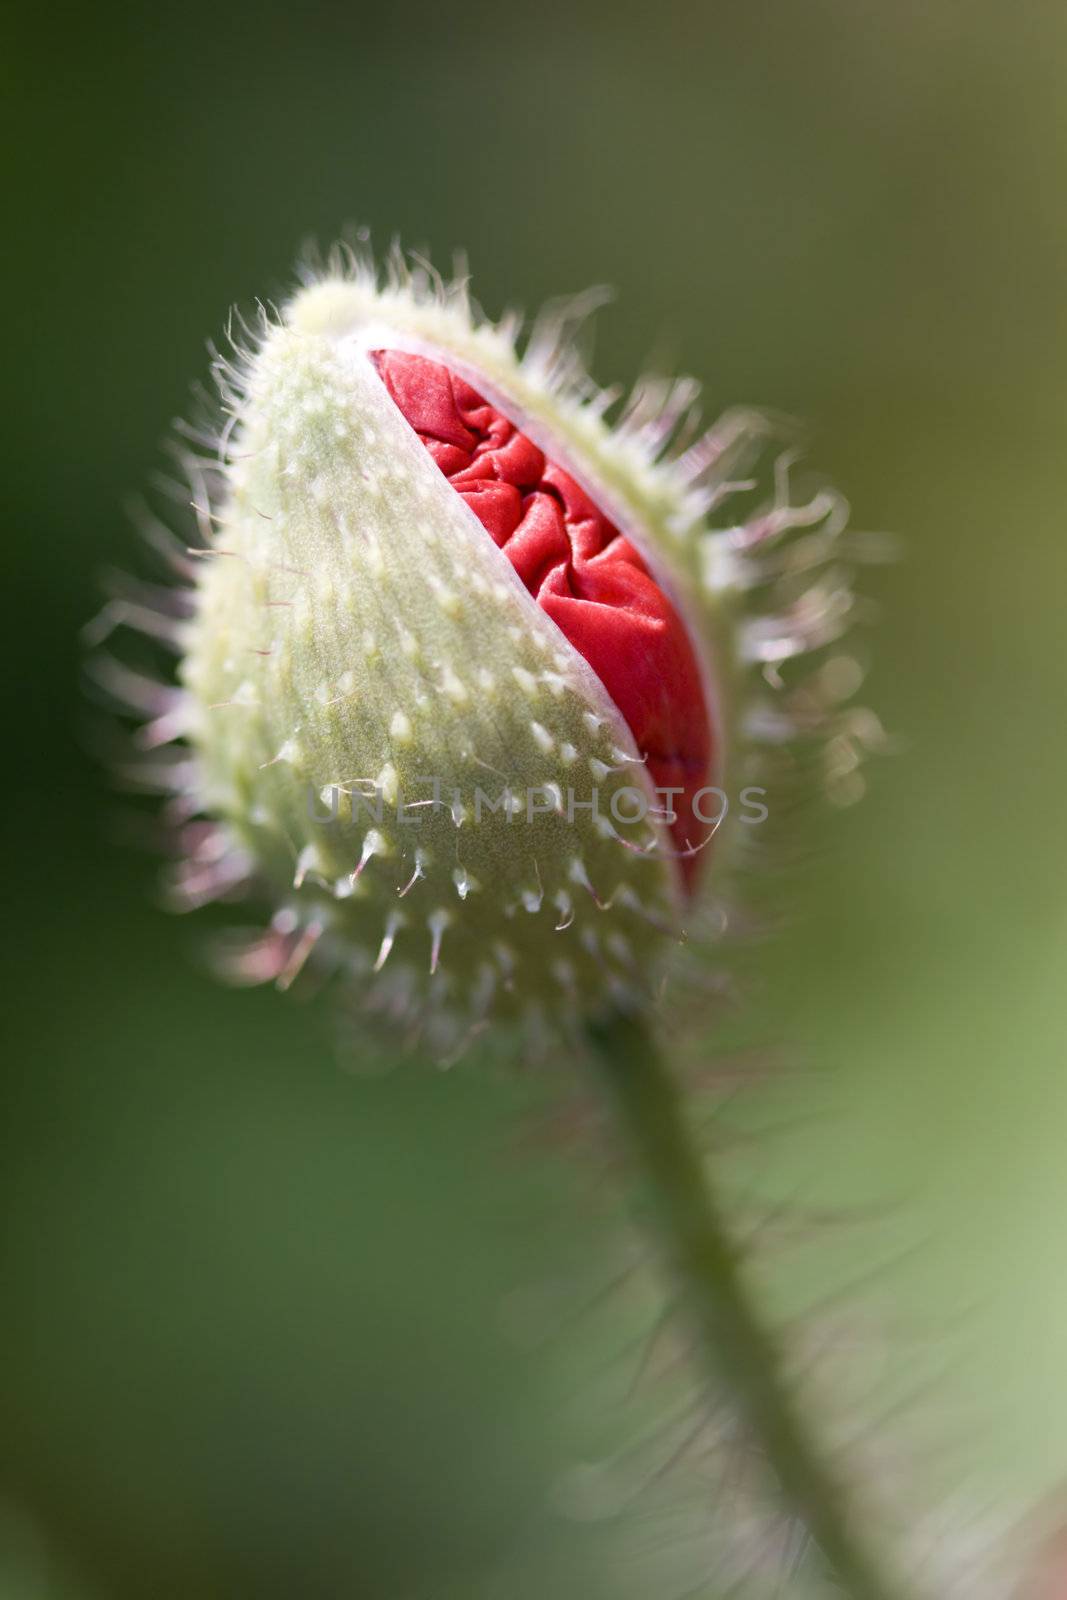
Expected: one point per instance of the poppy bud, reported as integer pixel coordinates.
(461, 677)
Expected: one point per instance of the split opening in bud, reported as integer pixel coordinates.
(583, 573)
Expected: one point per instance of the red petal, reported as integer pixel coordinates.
(581, 570)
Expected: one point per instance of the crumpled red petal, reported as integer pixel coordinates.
(581, 570)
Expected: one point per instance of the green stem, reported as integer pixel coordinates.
(735, 1342)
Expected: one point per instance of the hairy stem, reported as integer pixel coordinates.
(735, 1342)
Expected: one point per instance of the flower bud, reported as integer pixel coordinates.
(462, 682)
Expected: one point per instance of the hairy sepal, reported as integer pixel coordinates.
(360, 646)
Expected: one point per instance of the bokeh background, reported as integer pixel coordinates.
(255, 1335)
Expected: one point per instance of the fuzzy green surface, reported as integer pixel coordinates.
(358, 636)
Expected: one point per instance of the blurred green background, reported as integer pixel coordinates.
(251, 1338)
